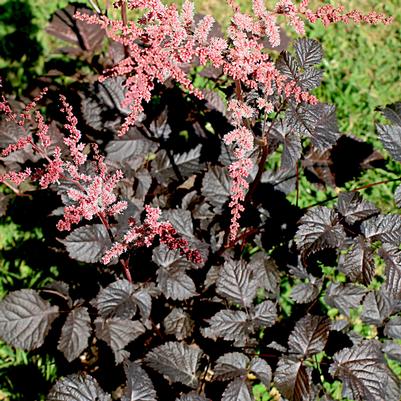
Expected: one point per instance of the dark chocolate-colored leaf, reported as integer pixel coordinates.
(25, 319)
(319, 229)
(192, 396)
(216, 186)
(304, 293)
(344, 296)
(293, 379)
(377, 306)
(266, 272)
(354, 208)
(310, 79)
(178, 361)
(116, 300)
(230, 325)
(287, 65)
(175, 283)
(309, 336)
(390, 135)
(386, 228)
(392, 258)
(358, 263)
(393, 328)
(88, 243)
(397, 196)
(262, 370)
(237, 283)
(361, 369)
(231, 365)
(308, 51)
(317, 122)
(139, 386)
(75, 333)
(77, 388)
(118, 333)
(265, 314)
(178, 323)
(237, 390)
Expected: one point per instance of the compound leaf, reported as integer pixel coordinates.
(75, 333)
(178, 361)
(25, 319)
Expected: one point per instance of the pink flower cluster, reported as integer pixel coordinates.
(144, 235)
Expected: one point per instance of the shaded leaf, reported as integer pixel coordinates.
(178, 323)
(178, 361)
(118, 333)
(319, 229)
(192, 396)
(25, 319)
(293, 379)
(139, 385)
(266, 272)
(175, 284)
(236, 283)
(237, 390)
(397, 196)
(88, 243)
(362, 372)
(75, 333)
(309, 336)
(77, 388)
(308, 51)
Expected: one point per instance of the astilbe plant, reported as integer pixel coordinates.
(201, 303)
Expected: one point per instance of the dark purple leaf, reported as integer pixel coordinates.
(75, 333)
(293, 379)
(377, 307)
(308, 51)
(77, 388)
(230, 325)
(361, 369)
(88, 243)
(230, 366)
(392, 258)
(237, 283)
(25, 319)
(178, 361)
(118, 333)
(216, 186)
(310, 79)
(288, 66)
(390, 135)
(354, 208)
(393, 328)
(265, 314)
(304, 293)
(344, 296)
(319, 229)
(178, 323)
(192, 396)
(139, 385)
(262, 370)
(237, 390)
(386, 228)
(358, 263)
(266, 272)
(175, 283)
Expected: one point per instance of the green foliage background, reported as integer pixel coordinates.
(362, 69)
